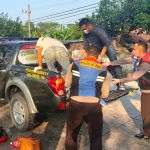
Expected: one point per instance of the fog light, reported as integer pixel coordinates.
(62, 106)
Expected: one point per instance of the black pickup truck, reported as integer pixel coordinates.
(30, 94)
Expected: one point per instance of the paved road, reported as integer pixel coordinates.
(121, 121)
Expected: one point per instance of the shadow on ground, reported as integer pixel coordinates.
(131, 109)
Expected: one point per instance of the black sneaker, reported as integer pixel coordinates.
(140, 135)
(122, 87)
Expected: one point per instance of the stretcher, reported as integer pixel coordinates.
(113, 95)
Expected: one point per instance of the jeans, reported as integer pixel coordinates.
(79, 112)
(59, 54)
(116, 70)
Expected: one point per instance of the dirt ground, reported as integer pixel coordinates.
(51, 132)
(121, 121)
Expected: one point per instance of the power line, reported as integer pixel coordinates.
(23, 5)
(67, 17)
(64, 11)
(38, 8)
(55, 4)
(62, 15)
(34, 20)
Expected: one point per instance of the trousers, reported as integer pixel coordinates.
(116, 70)
(145, 113)
(79, 112)
(59, 54)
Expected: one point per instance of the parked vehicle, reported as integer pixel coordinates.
(30, 94)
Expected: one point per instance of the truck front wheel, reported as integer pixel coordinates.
(20, 114)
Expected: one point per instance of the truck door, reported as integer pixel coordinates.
(6, 53)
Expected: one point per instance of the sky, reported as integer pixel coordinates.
(62, 11)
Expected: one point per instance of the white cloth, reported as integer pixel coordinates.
(76, 55)
(37, 68)
(99, 59)
(102, 102)
(46, 42)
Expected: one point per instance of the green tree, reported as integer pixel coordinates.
(9, 27)
(142, 18)
(76, 32)
(32, 30)
(117, 16)
(108, 14)
(46, 28)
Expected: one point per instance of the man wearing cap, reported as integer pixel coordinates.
(88, 81)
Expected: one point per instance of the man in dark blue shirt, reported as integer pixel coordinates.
(98, 37)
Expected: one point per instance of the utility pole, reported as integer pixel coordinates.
(28, 12)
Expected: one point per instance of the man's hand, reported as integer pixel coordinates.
(78, 57)
(115, 81)
(82, 51)
(103, 52)
(99, 59)
(106, 64)
(37, 68)
(63, 77)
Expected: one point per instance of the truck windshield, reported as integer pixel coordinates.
(5, 52)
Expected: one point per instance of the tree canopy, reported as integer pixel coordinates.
(116, 16)
(119, 15)
(9, 27)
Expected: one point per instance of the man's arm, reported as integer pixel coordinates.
(103, 52)
(105, 40)
(145, 67)
(128, 60)
(106, 86)
(85, 43)
(40, 55)
(85, 46)
(82, 52)
(68, 78)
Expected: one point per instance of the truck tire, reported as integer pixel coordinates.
(20, 114)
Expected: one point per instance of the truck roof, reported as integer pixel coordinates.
(34, 41)
(15, 42)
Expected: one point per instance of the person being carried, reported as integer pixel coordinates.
(52, 50)
(142, 74)
(98, 37)
(88, 81)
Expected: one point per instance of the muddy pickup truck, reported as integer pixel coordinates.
(30, 94)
